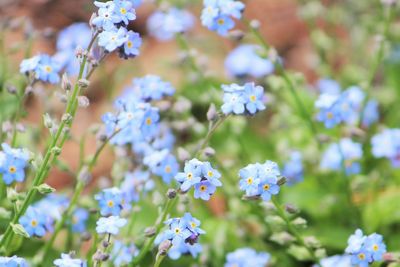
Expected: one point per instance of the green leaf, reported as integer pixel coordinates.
(19, 230)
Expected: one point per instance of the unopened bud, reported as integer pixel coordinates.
(79, 51)
(66, 118)
(105, 243)
(282, 238)
(84, 175)
(171, 193)
(11, 89)
(56, 150)
(183, 154)
(212, 113)
(209, 152)
(300, 222)
(282, 180)
(65, 83)
(312, 241)
(83, 83)
(28, 90)
(12, 195)
(255, 24)
(48, 122)
(164, 247)
(83, 101)
(291, 209)
(150, 231)
(236, 35)
(86, 236)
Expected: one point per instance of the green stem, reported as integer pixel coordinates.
(292, 229)
(44, 167)
(159, 259)
(378, 60)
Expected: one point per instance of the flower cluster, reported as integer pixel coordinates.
(344, 154)
(387, 145)
(43, 67)
(164, 25)
(293, 169)
(244, 257)
(260, 180)
(40, 217)
(200, 175)
(67, 261)
(365, 250)
(111, 201)
(335, 107)
(217, 15)
(138, 124)
(79, 220)
(13, 261)
(245, 60)
(246, 99)
(13, 162)
(111, 21)
(134, 184)
(184, 234)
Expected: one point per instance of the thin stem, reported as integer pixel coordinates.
(378, 60)
(159, 259)
(44, 167)
(80, 185)
(292, 229)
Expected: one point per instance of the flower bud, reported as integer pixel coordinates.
(11, 89)
(83, 101)
(255, 24)
(83, 83)
(236, 35)
(150, 231)
(66, 118)
(171, 193)
(45, 189)
(56, 150)
(164, 247)
(212, 114)
(300, 222)
(65, 83)
(86, 236)
(209, 152)
(291, 209)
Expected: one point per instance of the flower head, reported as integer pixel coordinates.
(13, 162)
(111, 201)
(242, 99)
(244, 257)
(35, 222)
(110, 225)
(67, 261)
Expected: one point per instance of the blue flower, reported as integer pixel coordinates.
(335, 261)
(13, 261)
(269, 187)
(244, 257)
(244, 60)
(136, 183)
(212, 175)
(216, 15)
(328, 86)
(191, 175)
(164, 25)
(374, 245)
(112, 39)
(67, 261)
(167, 168)
(293, 169)
(222, 25)
(123, 254)
(110, 225)
(204, 190)
(387, 144)
(35, 222)
(131, 45)
(43, 66)
(345, 153)
(29, 64)
(12, 164)
(250, 179)
(124, 12)
(370, 113)
(111, 201)
(362, 258)
(106, 17)
(184, 234)
(260, 180)
(54, 204)
(79, 219)
(355, 242)
(152, 87)
(150, 119)
(254, 95)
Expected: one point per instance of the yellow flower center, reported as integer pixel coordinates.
(34, 223)
(266, 186)
(110, 203)
(189, 176)
(361, 256)
(210, 173)
(221, 22)
(253, 98)
(329, 115)
(250, 180)
(375, 247)
(167, 169)
(203, 188)
(148, 121)
(129, 44)
(193, 224)
(123, 11)
(48, 68)
(12, 169)
(177, 230)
